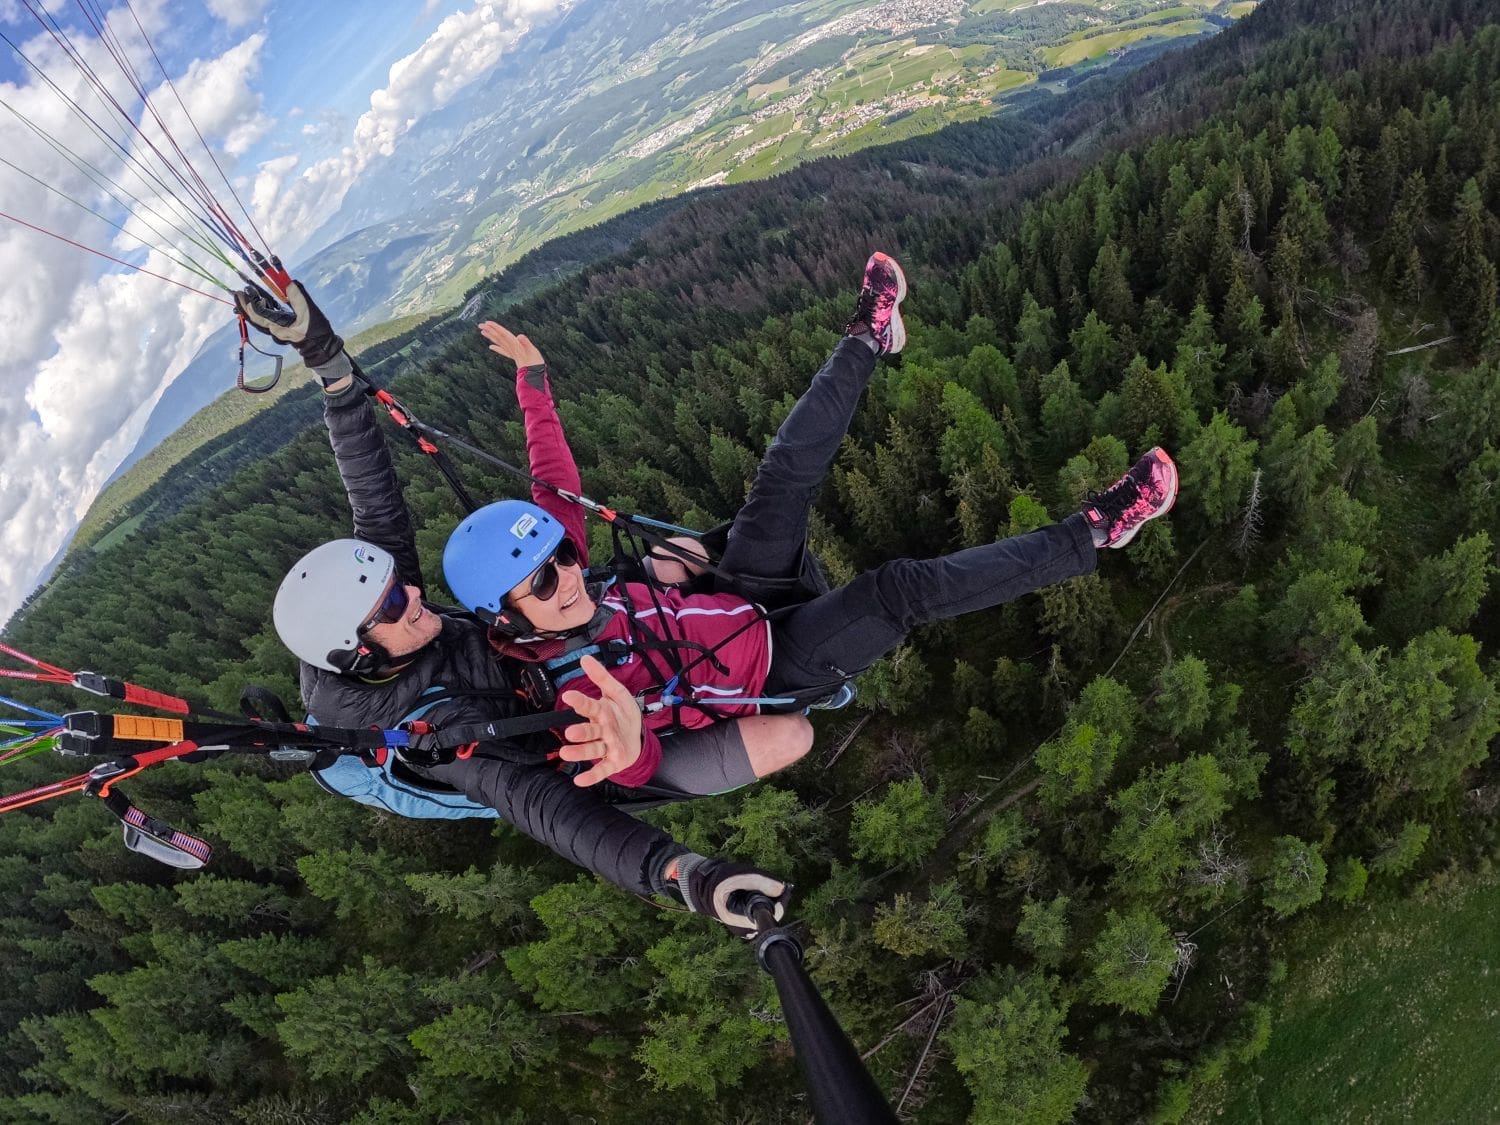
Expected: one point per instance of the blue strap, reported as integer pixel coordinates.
(686, 701)
(19, 706)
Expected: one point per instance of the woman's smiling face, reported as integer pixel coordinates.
(568, 607)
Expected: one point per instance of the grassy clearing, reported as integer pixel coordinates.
(1241, 9)
(1389, 1013)
(781, 85)
(1067, 54)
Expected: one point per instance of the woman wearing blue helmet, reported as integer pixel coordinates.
(521, 567)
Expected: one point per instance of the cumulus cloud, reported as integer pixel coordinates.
(237, 13)
(86, 356)
(465, 47)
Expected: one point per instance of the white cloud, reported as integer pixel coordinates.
(220, 100)
(465, 47)
(84, 357)
(237, 13)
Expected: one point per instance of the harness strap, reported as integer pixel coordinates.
(427, 738)
(408, 422)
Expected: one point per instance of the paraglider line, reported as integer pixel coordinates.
(117, 261)
(173, 87)
(190, 266)
(133, 162)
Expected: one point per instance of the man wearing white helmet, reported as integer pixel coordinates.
(374, 653)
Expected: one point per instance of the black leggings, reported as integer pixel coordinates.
(843, 632)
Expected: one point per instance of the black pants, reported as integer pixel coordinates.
(843, 632)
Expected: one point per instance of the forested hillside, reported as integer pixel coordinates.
(1047, 870)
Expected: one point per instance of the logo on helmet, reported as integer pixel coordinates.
(523, 526)
(363, 556)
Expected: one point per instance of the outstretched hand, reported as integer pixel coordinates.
(518, 349)
(611, 738)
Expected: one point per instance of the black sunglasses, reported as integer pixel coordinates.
(390, 609)
(544, 578)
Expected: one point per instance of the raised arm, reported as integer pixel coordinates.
(547, 448)
(381, 516)
(364, 460)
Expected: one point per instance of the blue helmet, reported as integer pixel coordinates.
(494, 550)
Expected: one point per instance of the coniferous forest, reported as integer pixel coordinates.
(1031, 856)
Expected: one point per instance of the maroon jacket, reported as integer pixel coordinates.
(712, 620)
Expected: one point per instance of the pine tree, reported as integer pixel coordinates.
(1066, 418)
(1296, 876)
(1402, 853)
(1199, 359)
(934, 926)
(1006, 1037)
(1132, 961)
(1304, 468)
(901, 828)
(1043, 928)
(1470, 276)
(1404, 231)
(1109, 287)
(1442, 591)
(1159, 813)
(1217, 467)
(1182, 699)
(1096, 354)
(1479, 490)
(1347, 881)
(971, 430)
(343, 1029)
(1036, 344)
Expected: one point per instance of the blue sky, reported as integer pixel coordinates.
(318, 56)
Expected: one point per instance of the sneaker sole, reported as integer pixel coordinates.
(1161, 455)
(897, 327)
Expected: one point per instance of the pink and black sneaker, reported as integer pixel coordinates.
(879, 308)
(1148, 490)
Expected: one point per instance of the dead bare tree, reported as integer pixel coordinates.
(1248, 535)
(1187, 953)
(901, 756)
(1218, 867)
(1357, 360)
(1253, 411)
(1416, 402)
(1349, 254)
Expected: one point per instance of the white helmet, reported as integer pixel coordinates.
(326, 597)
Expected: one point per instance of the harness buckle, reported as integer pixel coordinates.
(537, 688)
(96, 683)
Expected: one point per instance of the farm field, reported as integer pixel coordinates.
(1081, 50)
(1389, 1014)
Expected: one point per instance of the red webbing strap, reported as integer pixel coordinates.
(142, 761)
(157, 700)
(403, 418)
(50, 673)
(43, 793)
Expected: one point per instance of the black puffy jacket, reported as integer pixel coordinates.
(578, 824)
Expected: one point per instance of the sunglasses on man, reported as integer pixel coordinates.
(391, 607)
(544, 579)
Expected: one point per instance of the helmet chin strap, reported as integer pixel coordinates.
(518, 628)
